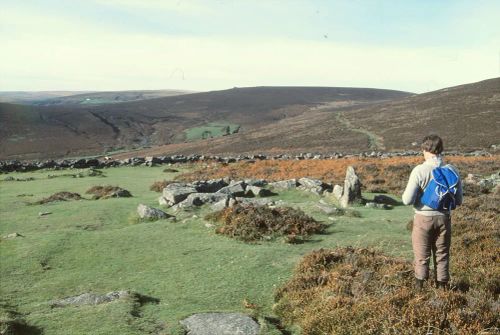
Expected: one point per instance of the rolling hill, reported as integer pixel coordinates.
(29, 97)
(70, 129)
(466, 116)
(256, 120)
(50, 98)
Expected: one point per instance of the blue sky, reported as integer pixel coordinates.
(205, 45)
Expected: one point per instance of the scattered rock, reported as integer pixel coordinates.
(254, 191)
(315, 186)
(220, 205)
(236, 189)
(378, 205)
(472, 179)
(337, 191)
(231, 202)
(90, 299)
(220, 324)
(256, 182)
(199, 199)
(12, 235)
(44, 213)
(310, 182)
(352, 189)
(254, 201)
(328, 210)
(284, 184)
(177, 192)
(209, 186)
(150, 213)
(162, 201)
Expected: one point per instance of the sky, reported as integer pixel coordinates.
(410, 45)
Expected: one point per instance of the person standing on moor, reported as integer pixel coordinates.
(431, 232)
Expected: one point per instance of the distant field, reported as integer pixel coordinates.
(211, 130)
(94, 246)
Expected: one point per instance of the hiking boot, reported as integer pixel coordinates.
(419, 284)
(442, 285)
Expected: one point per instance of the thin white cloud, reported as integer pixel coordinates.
(178, 6)
(67, 54)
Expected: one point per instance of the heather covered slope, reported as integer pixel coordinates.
(467, 117)
(94, 128)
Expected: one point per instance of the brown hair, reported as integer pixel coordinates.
(432, 144)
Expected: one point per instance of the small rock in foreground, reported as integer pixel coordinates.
(220, 324)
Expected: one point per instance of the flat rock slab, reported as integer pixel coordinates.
(220, 324)
(90, 299)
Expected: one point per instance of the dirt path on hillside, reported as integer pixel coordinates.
(375, 142)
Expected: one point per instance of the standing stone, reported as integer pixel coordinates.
(352, 188)
(220, 324)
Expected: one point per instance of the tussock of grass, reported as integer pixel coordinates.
(253, 223)
(59, 196)
(108, 191)
(360, 291)
(158, 186)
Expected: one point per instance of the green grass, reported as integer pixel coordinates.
(209, 130)
(92, 245)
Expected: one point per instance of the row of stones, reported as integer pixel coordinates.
(20, 166)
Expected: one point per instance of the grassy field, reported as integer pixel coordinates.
(211, 129)
(94, 246)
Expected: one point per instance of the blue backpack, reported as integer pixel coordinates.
(440, 193)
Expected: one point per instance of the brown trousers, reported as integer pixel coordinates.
(431, 234)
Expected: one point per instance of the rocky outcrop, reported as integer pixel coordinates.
(312, 185)
(200, 199)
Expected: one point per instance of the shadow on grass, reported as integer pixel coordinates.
(14, 324)
(140, 301)
(19, 327)
(277, 323)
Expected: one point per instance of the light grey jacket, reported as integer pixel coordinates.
(419, 179)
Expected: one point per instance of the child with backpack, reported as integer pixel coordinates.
(434, 190)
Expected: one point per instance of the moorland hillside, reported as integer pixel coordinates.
(466, 116)
(76, 129)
